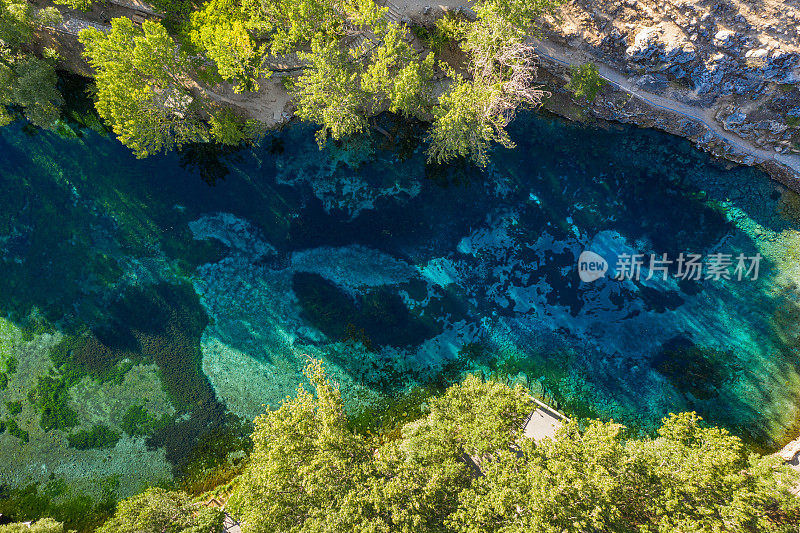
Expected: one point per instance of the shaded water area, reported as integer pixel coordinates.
(147, 302)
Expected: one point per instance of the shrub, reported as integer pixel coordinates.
(585, 82)
(45, 525)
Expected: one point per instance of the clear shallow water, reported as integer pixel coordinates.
(395, 273)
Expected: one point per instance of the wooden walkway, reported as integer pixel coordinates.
(543, 422)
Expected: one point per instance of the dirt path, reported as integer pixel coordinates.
(703, 115)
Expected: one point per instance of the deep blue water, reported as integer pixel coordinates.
(228, 269)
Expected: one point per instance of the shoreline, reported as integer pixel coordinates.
(645, 109)
(272, 105)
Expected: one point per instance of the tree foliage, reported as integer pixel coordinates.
(81, 5)
(585, 81)
(356, 63)
(329, 91)
(309, 472)
(690, 478)
(226, 30)
(142, 89)
(294, 23)
(160, 511)
(45, 525)
(26, 81)
(474, 113)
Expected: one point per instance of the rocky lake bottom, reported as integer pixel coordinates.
(150, 304)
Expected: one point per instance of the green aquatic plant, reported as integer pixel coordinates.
(377, 318)
(3, 381)
(55, 499)
(15, 431)
(14, 408)
(99, 436)
(50, 396)
(138, 421)
(218, 457)
(693, 369)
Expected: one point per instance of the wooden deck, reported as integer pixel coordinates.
(543, 422)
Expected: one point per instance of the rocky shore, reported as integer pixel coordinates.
(735, 64)
(724, 75)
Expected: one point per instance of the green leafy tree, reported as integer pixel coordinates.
(309, 472)
(225, 30)
(417, 479)
(160, 511)
(474, 113)
(690, 478)
(395, 77)
(230, 130)
(45, 525)
(329, 91)
(26, 81)
(342, 87)
(33, 87)
(304, 465)
(294, 23)
(461, 125)
(143, 89)
(81, 5)
(585, 81)
(704, 479)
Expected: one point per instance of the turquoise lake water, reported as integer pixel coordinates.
(192, 287)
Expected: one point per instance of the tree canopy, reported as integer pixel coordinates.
(145, 91)
(45, 525)
(142, 92)
(501, 74)
(161, 511)
(225, 30)
(309, 472)
(585, 81)
(26, 81)
(353, 63)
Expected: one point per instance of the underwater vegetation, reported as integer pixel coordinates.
(693, 369)
(203, 280)
(377, 318)
(99, 436)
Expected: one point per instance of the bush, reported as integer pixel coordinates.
(586, 81)
(45, 525)
(158, 510)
